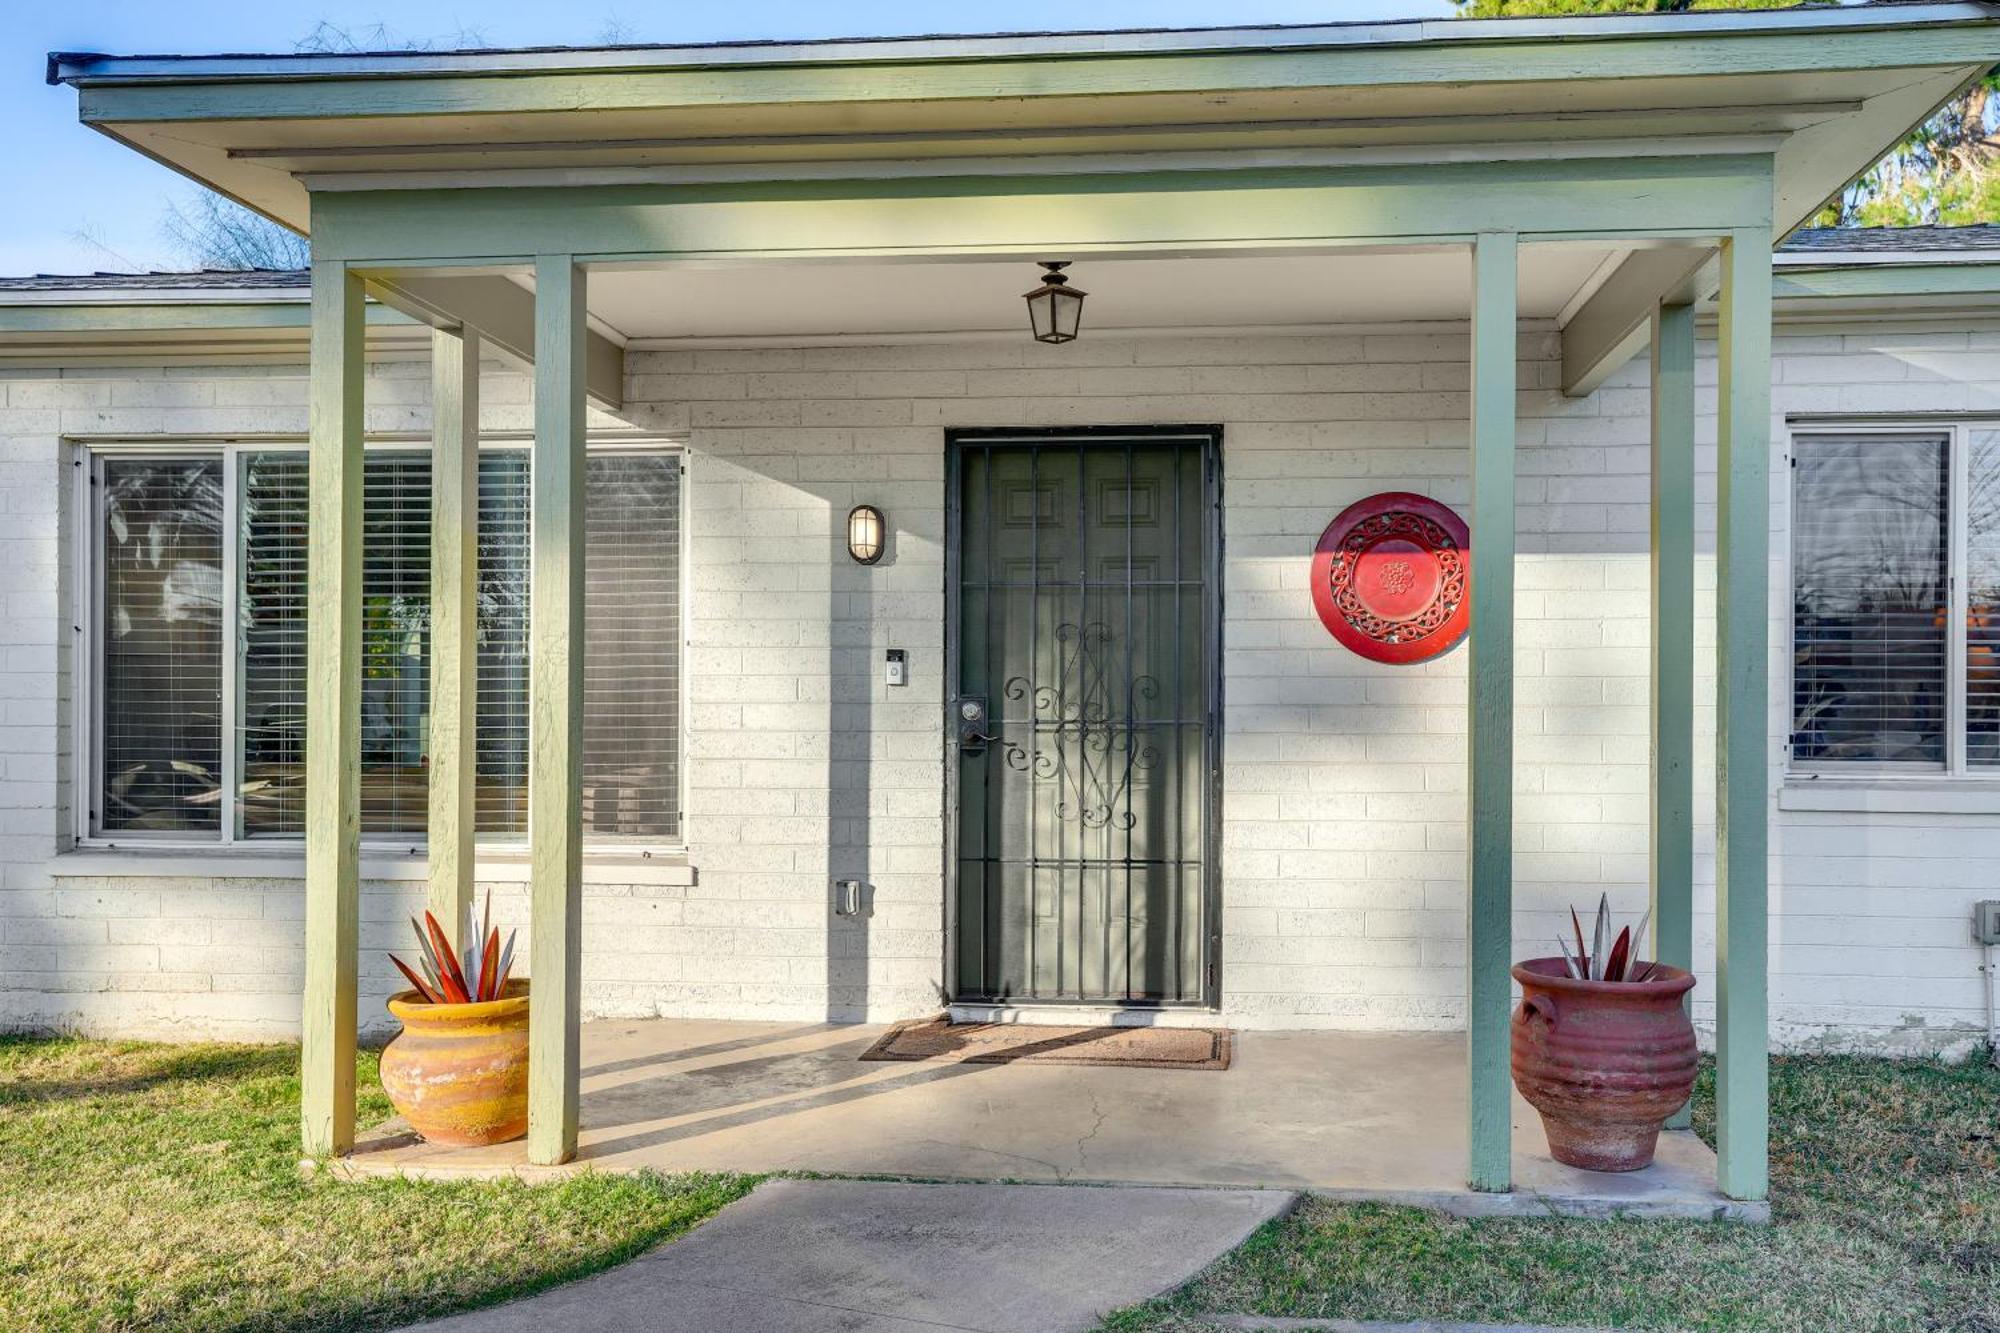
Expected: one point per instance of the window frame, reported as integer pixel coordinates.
(1956, 433)
(86, 713)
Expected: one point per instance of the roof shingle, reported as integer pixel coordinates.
(159, 280)
(1891, 240)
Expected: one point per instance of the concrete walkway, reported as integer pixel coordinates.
(854, 1256)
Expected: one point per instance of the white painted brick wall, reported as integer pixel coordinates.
(1343, 817)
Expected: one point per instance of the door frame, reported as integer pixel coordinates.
(956, 440)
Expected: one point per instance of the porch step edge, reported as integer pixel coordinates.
(1085, 1015)
(1276, 1324)
(1537, 1203)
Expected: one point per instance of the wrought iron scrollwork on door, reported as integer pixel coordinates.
(1078, 740)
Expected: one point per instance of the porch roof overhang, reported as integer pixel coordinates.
(67, 323)
(1631, 129)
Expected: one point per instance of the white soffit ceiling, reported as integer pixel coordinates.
(832, 299)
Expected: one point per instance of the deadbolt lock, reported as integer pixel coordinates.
(972, 719)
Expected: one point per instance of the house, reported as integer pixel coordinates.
(1070, 736)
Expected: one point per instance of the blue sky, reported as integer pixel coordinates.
(85, 203)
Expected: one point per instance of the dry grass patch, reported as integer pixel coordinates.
(156, 1187)
(1886, 1217)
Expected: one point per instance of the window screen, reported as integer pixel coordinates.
(631, 645)
(162, 599)
(1870, 599)
(395, 642)
(502, 791)
(272, 617)
(1982, 612)
(631, 638)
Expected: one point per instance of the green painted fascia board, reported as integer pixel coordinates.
(192, 317)
(1888, 280)
(1044, 75)
(1441, 202)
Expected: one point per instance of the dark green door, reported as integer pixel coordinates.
(1083, 715)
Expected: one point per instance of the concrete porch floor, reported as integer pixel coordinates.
(1366, 1116)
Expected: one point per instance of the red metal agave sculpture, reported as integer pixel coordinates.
(443, 980)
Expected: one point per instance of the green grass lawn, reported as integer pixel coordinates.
(157, 1187)
(1886, 1216)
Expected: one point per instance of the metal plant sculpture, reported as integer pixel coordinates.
(1597, 963)
(443, 980)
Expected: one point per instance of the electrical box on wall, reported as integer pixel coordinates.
(897, 669)
(1986, 922)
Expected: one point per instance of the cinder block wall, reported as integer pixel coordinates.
(1343, 817)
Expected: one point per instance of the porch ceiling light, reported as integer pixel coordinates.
(1055, 309)
(865, 530)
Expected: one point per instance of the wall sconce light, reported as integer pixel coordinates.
(1055, 309)
(866, 534)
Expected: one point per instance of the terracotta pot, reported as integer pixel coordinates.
(1605, 1062)
(459, 1072)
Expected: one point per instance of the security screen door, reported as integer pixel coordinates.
(1083, 716)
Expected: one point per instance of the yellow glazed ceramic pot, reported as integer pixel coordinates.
(459, 1072)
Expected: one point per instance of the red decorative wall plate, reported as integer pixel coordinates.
(1392, 575)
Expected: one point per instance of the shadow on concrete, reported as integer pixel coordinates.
(836, 1095)
(698, 1052)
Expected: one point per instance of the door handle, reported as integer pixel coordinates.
(972, 733)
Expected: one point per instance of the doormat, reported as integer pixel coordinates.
(946, 1042)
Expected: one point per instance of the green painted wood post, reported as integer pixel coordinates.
(454, 623)
(1490, 674)
(333, 712)
(555, 698)
(1672, 833)
(1742, 715)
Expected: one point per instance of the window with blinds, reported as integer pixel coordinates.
(1982, 591)
(271, 621)
(1870, 600)
(160, 691)
(501, 794)
(631, 645)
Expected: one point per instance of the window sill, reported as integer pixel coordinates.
(1891, 796)
(497, 866)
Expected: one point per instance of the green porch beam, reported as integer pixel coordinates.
(1613, 324)
(555, 699)
(1490, 678)
(1742, 715)
(1672, 630)
(454, 756)
(1614, 52)
(500, 313)
(333, 711)
(1886, 280)
(1445, 203)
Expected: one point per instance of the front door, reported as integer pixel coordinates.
(1083, 716)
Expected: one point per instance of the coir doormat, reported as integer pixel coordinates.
(1031, 1043)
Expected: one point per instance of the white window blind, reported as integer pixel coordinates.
(632, 638)
(272, 617)
(395, 628)
(631, 646)
(161, 634)
(1871, 599)
(502, 793)
(395, 641)
(1982, 609)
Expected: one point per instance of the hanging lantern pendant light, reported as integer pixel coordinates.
(1055, 309)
